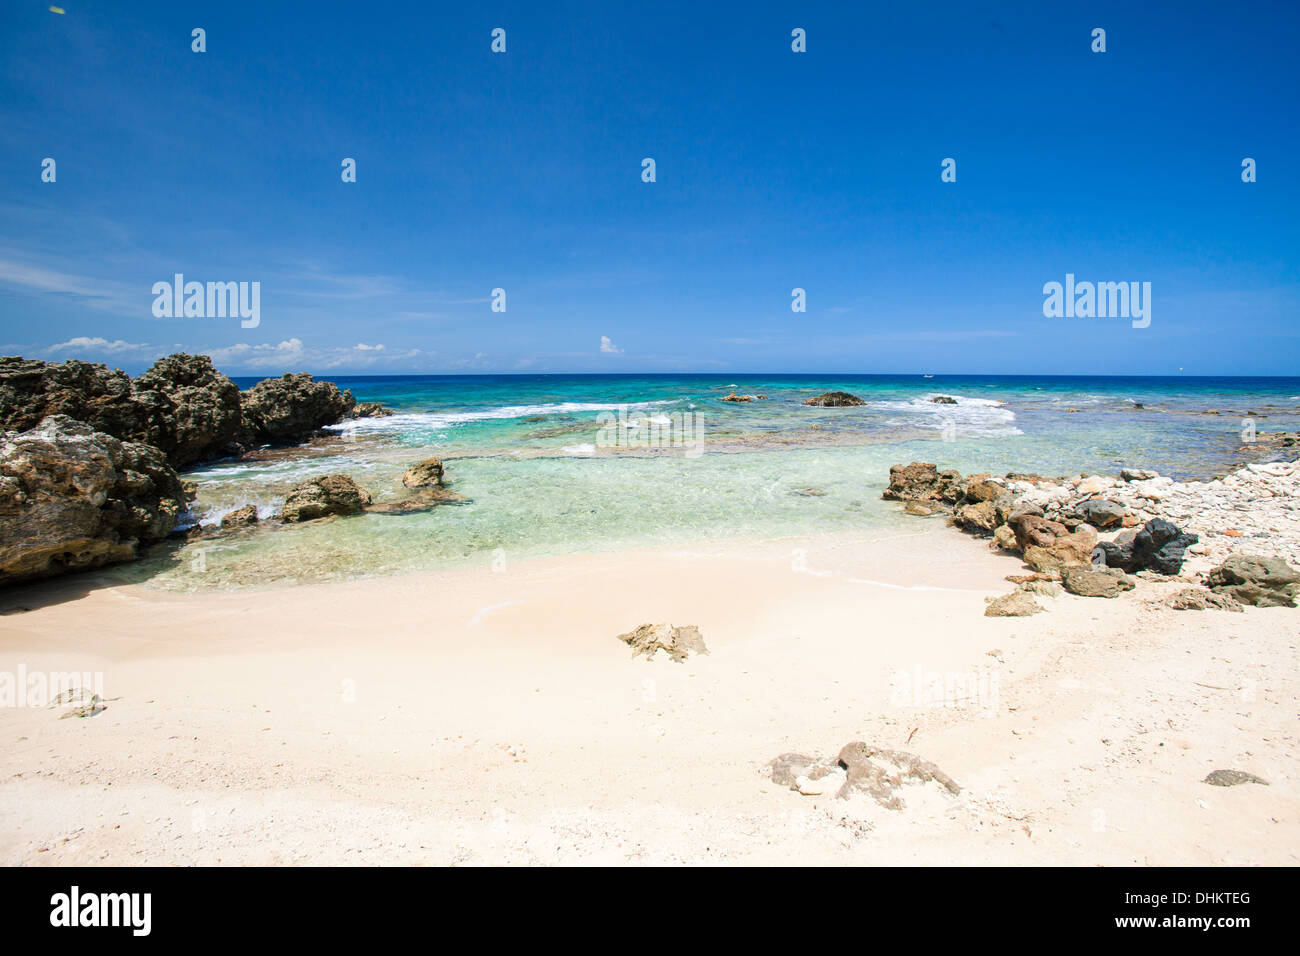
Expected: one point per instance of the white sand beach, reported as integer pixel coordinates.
(486, 716)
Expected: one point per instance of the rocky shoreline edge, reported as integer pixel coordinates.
(1234, 540)
(89, 457)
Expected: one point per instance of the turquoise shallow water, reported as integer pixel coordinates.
(670, 463)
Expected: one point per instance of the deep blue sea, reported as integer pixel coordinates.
(568, 463)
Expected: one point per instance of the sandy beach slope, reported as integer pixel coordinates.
(481, 716)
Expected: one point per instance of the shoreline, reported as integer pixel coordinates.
(496, 718)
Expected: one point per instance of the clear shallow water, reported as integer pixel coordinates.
(546, 475)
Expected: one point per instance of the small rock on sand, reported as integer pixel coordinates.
(1016, 604)
(677, 642)
(1232, 778)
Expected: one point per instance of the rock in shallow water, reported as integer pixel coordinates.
(239, 518)
(921, 481)
(427, 474)
(834, 400)
(327, 495)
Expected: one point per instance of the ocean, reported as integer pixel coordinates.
(558, 464)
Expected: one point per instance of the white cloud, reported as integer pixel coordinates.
(608, 347)
(84, 344)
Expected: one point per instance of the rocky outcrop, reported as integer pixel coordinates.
(944, 400)
(73, 498)
(202, 407)
(324, 496)
(677, 642)
(292, 408)
(1254, 579)
(182, 405)
(834, 400)
(733, 397)
(103, 398)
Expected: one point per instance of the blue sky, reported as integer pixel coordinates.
(775, 170)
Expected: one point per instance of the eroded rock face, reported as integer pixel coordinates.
(292, 408)
(182, 405)
(73, 498)
(427, 474)
(834, 400)
(1254, 579)
(203, 407)
(677, 642)
(324, 496)
(922, 481)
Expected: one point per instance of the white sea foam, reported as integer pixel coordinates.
(984, 417)
(424, 420)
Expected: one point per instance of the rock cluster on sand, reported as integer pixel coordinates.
(834, 400)
(324, 496)
(73, 498)
(1092, 532)
(677, 642)
(859, 768)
